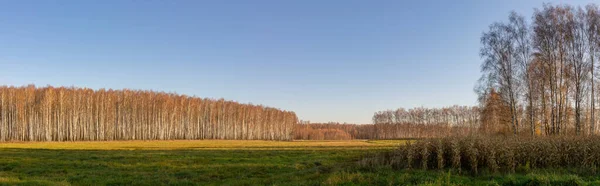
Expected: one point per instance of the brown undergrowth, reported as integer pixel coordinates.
(475, 154)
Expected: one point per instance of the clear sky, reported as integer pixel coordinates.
(334, 60)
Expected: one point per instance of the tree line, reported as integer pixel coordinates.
(325, 131)
(452, 116)
(541, 75)
(305, 130)
(399, 124)
(336, 131)
(424, 122)
(32, 113)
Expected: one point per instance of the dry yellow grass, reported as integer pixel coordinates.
(204, 144)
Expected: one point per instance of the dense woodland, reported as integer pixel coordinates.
(68, 114)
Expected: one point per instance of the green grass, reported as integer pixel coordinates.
(387, 176)
(213, 162)
(209, 162)
(178, 167)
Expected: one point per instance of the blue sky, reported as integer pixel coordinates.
(338, 60)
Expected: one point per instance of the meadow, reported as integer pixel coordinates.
(202, 162)
(231, 162)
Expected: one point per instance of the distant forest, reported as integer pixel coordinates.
(72, 114)
(399, 124)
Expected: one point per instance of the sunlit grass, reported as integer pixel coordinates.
(230, 162)
(198, 162)
(204, 144)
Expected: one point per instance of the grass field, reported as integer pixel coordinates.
(222, 162)
(208, 162)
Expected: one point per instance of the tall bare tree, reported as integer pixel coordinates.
(501, 67)
(593, 38)
(520, 38)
